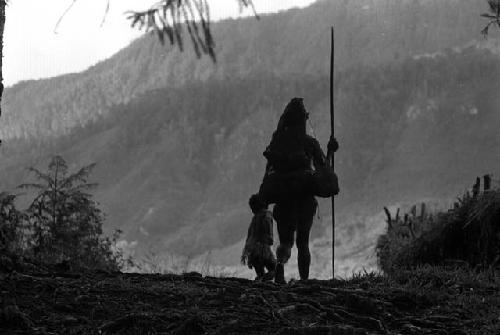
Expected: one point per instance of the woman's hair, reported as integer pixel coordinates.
(294, 114)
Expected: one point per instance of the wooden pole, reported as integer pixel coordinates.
(332, 118)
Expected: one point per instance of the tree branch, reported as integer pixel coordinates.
(63, 15)
(169, 17)
(106, 11)
(494, 17)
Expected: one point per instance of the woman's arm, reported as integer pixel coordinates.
(318, 156)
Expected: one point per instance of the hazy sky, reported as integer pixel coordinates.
(34, 50)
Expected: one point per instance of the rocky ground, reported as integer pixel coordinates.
(422, 302)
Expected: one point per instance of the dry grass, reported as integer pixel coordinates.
(466, 235)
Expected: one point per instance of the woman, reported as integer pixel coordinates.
(292, 179)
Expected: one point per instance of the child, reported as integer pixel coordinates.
(257, 253)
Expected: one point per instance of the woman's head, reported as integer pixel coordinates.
(294, 115)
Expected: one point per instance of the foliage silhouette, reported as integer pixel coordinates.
(10, 225)
(467, 234)
(493, 16)
(62, 225)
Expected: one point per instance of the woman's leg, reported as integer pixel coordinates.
(270, 264)
(285, 223)
(307, 209)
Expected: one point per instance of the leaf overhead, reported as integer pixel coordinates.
(494, 6)
(494, 17)
(173, 17)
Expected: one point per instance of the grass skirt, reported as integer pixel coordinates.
(257, 253)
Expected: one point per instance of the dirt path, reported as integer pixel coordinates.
(190, 304)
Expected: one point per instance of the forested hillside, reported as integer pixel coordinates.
(295, 42)
(178, 141)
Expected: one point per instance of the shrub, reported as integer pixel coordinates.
(62, 225)
(10, 225)
(467, 234)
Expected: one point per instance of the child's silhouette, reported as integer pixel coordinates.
(257, 253)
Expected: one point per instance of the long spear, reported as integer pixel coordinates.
(332, 118)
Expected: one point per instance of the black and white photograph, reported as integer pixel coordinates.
(281, 167)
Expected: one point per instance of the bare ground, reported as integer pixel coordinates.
(119, 303)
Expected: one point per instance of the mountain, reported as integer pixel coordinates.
(179, 141)
(295, 42)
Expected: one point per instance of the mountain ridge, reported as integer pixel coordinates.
(243, 46)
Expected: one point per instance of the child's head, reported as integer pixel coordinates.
(256, 203)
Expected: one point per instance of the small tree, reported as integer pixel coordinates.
(10, 225)
(66, 223)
